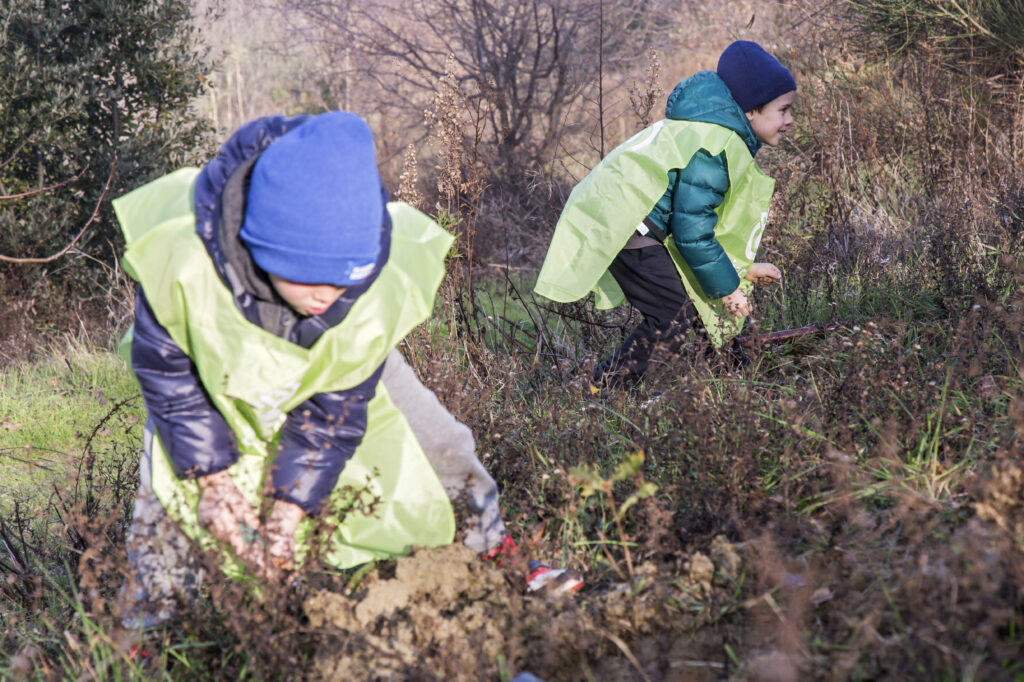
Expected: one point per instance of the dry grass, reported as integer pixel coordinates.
(846, 507)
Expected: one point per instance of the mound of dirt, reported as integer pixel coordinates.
(439, 600)
(447, 615)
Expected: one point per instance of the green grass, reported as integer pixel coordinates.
(48, 410)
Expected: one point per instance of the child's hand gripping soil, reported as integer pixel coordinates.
(279, 534)
(229, 517)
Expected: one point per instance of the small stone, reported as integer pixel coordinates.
(726, 559)
(821, 595)
(989, 388)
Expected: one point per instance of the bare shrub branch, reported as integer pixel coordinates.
(81, 232)
(532, 60)
(41, 190)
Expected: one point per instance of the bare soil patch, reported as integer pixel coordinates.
(444, 614)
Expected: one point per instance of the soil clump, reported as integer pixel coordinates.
(445, 614)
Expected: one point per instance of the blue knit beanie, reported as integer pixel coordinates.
(315, 205)
(754, 77)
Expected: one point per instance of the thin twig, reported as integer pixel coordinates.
(503, 266)
(624, 648)
(96, 212)
(44, 189)
(574, 318)
(30, 462)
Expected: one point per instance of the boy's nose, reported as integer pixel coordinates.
(326, 293)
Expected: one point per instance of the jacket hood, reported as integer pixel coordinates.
(705, 98)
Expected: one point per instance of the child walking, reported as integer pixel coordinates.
(274, 285)
(671, 219)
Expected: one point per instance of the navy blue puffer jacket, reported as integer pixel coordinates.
(320, 435)
(687, 209)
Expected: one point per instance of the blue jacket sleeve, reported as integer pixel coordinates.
(317, 440)
(193, 432)
(699, 189)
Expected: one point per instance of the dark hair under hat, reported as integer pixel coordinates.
(754, 77)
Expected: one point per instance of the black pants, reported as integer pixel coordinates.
(651, 283)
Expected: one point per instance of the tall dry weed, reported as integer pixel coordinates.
(646, 97)
(460, 167)
(408, 181)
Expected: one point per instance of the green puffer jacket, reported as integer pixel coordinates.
(687, 209)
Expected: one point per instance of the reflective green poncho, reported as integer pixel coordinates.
(255, 378)
(607, 206)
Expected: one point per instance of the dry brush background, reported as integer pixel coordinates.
(847, 507)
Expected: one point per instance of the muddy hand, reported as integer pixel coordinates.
(279, 534)
(763, 274)
(737, 304)
(228, 516)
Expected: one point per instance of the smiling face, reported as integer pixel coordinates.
(771, 121)
(306, 299)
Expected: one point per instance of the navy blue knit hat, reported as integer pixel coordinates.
(315, 206)
(754, 77)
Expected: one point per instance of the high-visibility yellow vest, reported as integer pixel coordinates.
(255, 378)
(608, 205)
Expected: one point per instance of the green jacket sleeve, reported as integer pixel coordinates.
(699, 189)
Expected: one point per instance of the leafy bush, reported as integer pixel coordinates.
(84, 81)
